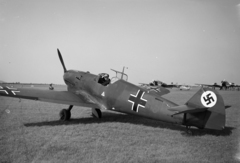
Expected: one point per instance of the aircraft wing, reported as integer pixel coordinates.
(210, 85)
(60, 97)
(184, 109)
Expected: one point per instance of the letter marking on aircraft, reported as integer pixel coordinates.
(208, 99)
(137, 100)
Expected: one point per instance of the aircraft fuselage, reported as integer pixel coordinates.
(121, 96)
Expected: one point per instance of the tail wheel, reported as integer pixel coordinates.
(96, 113)
(65, 115)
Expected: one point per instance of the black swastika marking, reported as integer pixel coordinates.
(209, 99)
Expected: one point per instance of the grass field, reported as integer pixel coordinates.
(30, 132)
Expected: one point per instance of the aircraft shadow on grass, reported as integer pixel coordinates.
(124, 118)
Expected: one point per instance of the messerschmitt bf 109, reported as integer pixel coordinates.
(204, 110)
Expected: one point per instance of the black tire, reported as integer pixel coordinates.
(65, 115)
(99, 114)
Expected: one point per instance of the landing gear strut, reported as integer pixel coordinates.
(188, 131)
(96, 113)
(65, 114)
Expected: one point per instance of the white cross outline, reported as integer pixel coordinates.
(140, 98)
(13, 92)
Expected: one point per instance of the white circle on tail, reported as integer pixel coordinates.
(209, 99)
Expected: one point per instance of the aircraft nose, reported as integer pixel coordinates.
(67, 76)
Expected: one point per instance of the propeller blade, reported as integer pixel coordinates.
(61, 59)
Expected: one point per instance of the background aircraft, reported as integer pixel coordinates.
(184, 87)
(225, 85)
(204, 110)
(158, 83)
(229, 85)
(213, 86)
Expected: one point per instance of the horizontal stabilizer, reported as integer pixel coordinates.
(215, 117)
(205, 109)
(185, 109)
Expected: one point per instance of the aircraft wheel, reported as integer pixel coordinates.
(65, 115)
(189, 132)
(96, 113)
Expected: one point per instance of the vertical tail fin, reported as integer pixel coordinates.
(213, 117)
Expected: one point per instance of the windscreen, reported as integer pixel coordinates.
(121, 76)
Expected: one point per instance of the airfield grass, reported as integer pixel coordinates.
(31, 132)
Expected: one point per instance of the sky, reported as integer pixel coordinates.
(179, 41)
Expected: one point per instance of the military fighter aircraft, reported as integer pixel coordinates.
(155, 83)
(225, 85)
(214, 85)
(204, 110)
(228, 85)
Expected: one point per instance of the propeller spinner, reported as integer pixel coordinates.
(61, 59)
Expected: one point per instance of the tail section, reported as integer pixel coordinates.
(214, 117)
(204, 110)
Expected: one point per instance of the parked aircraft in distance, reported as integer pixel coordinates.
(184, 87)
(213, 86)
(228, 85)
(205, 109)
(159, 83)
(225, 85)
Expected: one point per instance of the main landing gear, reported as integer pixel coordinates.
(96, 113)
(188, 131)
(65, 114)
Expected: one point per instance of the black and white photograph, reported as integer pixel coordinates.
(119, 81)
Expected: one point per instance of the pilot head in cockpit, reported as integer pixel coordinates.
(104, 79)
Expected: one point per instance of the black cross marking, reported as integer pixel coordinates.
(208, 99)
(137, 100)
(9, 91)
